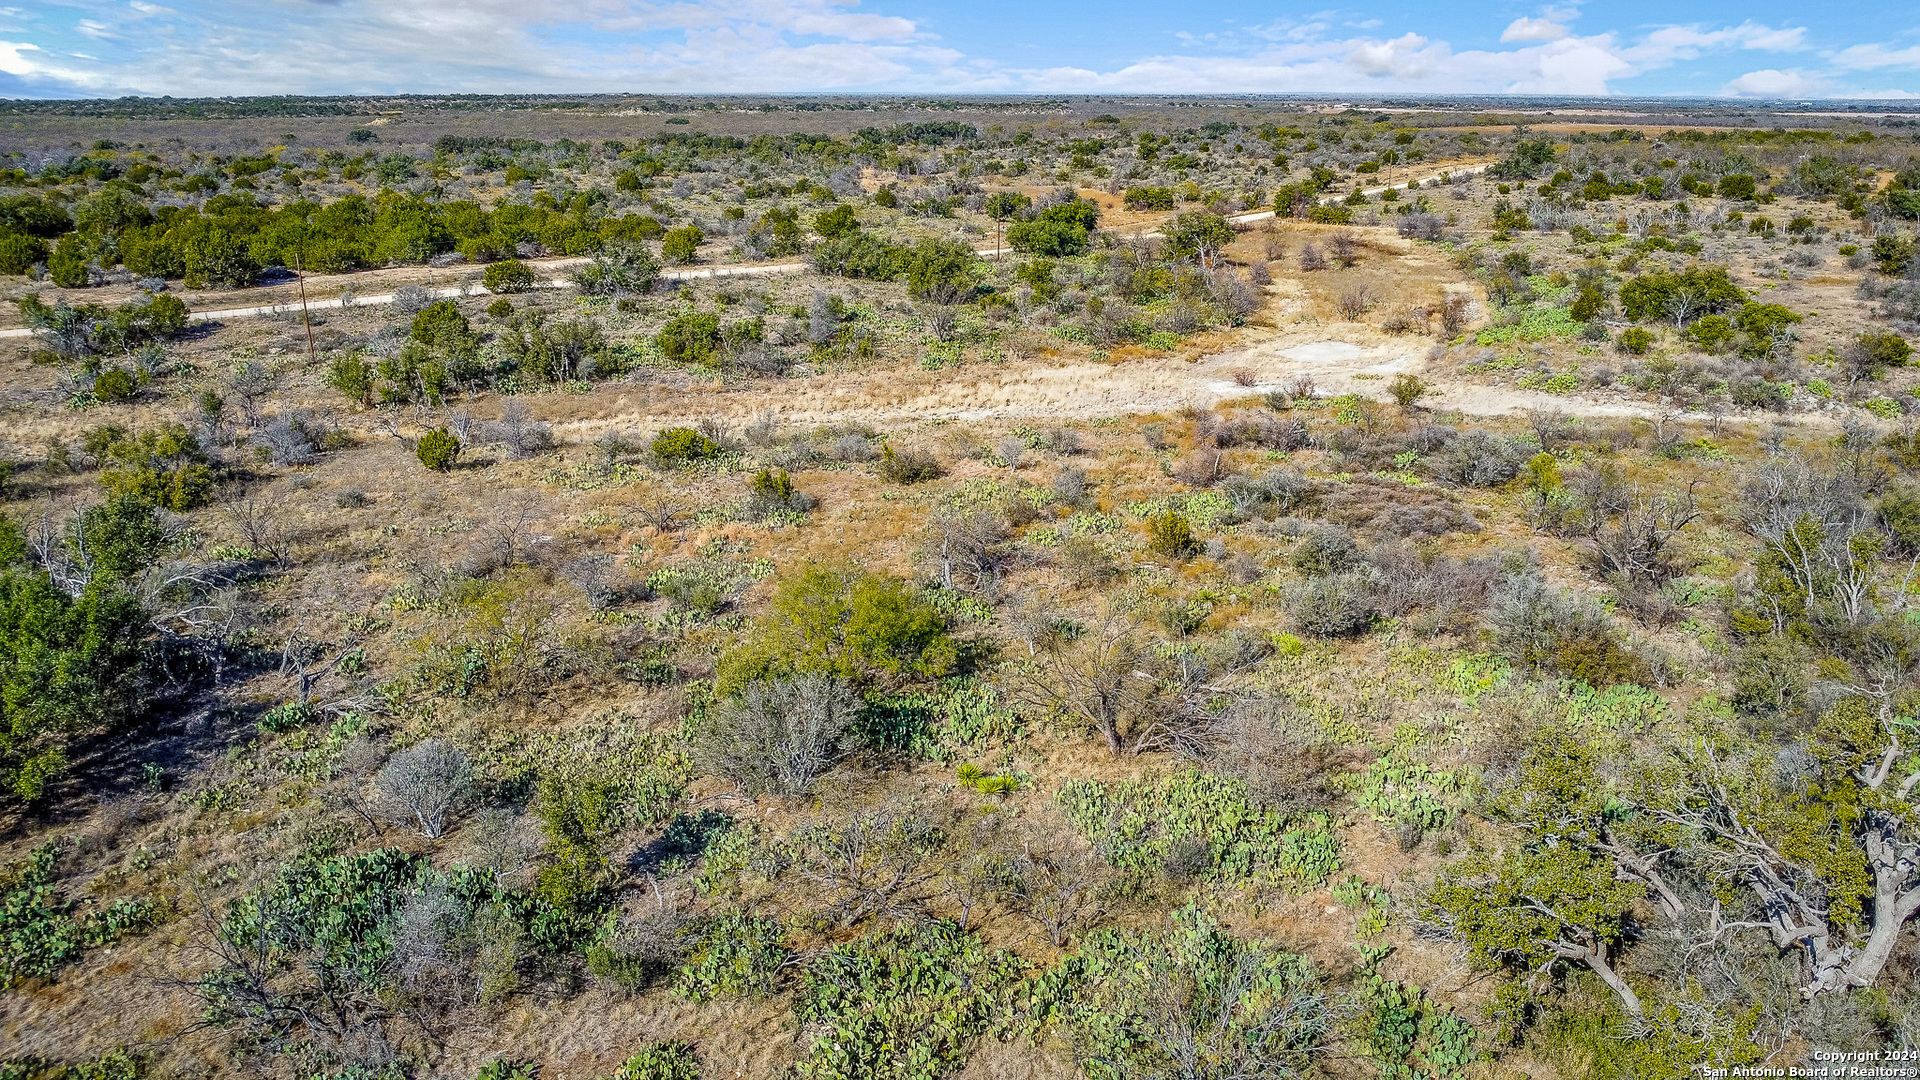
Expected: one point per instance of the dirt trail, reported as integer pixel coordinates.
(1041, 389)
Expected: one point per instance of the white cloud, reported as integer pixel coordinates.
(1669, 44)
(719, 46)
(1524, 29)
(1874, 57)
(1773, 83)
(12, 60)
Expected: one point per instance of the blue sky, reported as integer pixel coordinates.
(1766, 49)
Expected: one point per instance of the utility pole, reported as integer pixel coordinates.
(305, 316)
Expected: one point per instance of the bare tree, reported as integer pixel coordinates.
(1061, 887)
(250, 384)
(518, 432)
(1096, 678)
(870, 862)
(970, 549)
(663, 509)
(424, 785)
(261, 524)
(1820, 532)
(779, 736)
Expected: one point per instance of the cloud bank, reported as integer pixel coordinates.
(216, 47)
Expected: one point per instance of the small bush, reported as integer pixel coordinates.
(682, 245)
(675, 445)
(1170, 534)
(1636, 340)
(1337, 605)
(1481, 459)
(501, 308)
(1407, 389)
(424, 786)
(909, 467)
(115, 387)
(778, 736)
(509, 276)
(438, 449)
(1325, 550)
(1549, 629)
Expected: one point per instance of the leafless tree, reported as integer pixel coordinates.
(1820, 531)
(594, 574)
(518, 432)
(779, 736)
(251, 384)
(969, 549)
(1355, 302)
(288, 439)
(869, 862)
(1061, 886)
(1277, 751)
(663, 509)
(505, 536)
(261, 524)
(1344, 248)
(1632, 536)
(424, 785)
(822, 323)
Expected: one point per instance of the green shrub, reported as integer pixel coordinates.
(72, 665)
(1057, 231)
(441, 324)
(1711, 332)
(840, 621)
(115, 387)
(1883, 350)
(678, 445)
(1149, 198)
(1198, 230)
(180, 489)
(438, 449)
(660, 1061)
(1170, 534)
(1142, 825)
(117, 540)
(911, 467)
(682, 245)
(501, 308)
(942, 270)
(509, 276)
(19, 253)
(1636, 340)
(905, 1004)
(67, 266)
(1653, 296)
(40, 933)
(690, 339)
(1407, 389)
(1145, 1004)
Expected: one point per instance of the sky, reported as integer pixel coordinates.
(1764, 49)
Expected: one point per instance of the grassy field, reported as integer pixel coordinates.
(1271, 620)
